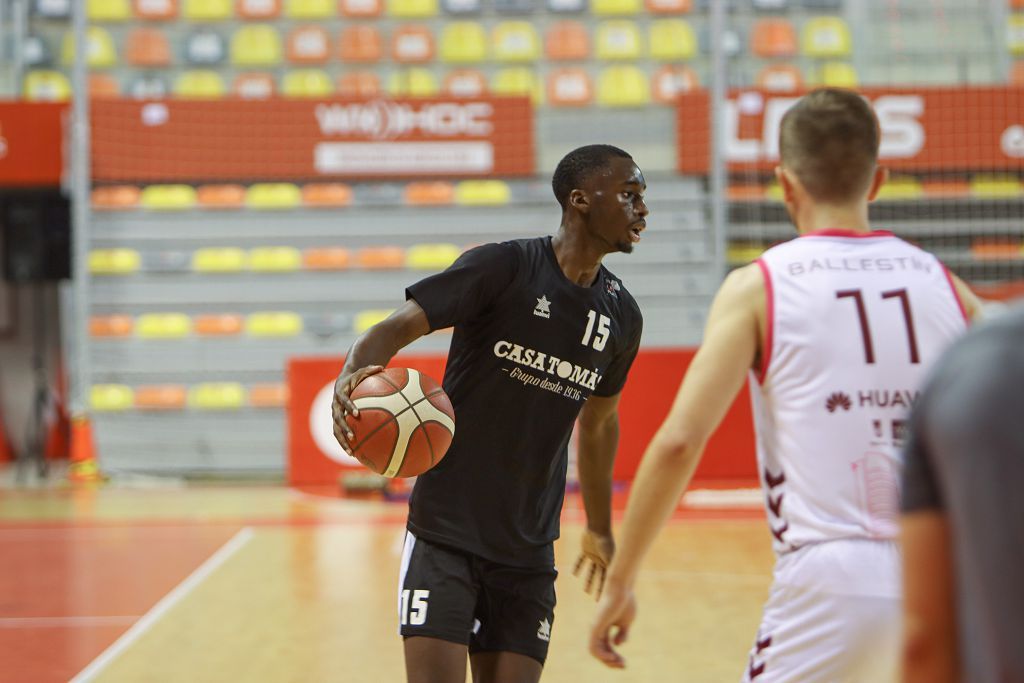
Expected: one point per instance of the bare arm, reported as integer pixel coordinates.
(973, 306)
(730, 346)
(930, 651)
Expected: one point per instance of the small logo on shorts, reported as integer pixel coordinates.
(544, 630)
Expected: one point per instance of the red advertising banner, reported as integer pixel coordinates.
(315, 458)
(31, 143)
(297, 139)
(923, 129)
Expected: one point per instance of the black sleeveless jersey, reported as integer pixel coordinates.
(528, 348)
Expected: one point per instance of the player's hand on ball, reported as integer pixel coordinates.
(342, 405)
(595, 556)
(615, 614)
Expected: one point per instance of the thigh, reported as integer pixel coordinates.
(437, 594)
(505, 667)
(515, 612)
(429, 660)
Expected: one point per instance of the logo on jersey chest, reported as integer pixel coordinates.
(898, 399)
(548, 364)
(543, 307)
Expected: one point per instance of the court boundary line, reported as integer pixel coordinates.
(128, 638)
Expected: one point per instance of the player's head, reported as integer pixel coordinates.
(829, 141)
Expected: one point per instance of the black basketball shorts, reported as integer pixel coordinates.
(462, 598)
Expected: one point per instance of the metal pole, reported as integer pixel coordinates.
(718, 92)
(19, 20)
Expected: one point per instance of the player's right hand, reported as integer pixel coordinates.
(342, 405)
(616, 611)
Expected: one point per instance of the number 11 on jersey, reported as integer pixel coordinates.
(600, 336)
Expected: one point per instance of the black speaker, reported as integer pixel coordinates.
(36, 230)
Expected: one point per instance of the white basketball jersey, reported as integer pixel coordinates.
(854, 323)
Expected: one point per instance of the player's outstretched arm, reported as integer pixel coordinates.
(717, 373)
(368, 355)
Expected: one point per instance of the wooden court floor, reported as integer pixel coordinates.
(260, 583)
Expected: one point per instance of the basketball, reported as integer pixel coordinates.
(406, 422)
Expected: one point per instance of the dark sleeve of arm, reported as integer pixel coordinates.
(615, 375)
(468, 287)
(920, 488)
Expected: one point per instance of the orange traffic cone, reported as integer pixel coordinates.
(83, 467)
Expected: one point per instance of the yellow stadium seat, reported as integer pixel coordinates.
(837, 75)
(622, 86)
(463, 42)
(309, 9)
(618, 40)
(899, 188)
(995, 187)
(107, 326)
(199, 84)
(306, 83)
(826, 37)
(672, 39)
(610, 8)
(212, 325)
(110, 397)
(1015, 34)
(119, 261)
(273, 196)
(367, 319)
(518, 81)
(774, 191)
(114, 197)
(413, 83)
(256, 45)
(482, 193)
(46, 86)
(206, 10)
(217, 396)
(515, 41)
(412, 9)
(108, 10)
(160, 397)
(273, 324)
(163, 326)
(168, 197)
(275, 259)
(219, 260)
(269, 395)
(100, 52)
(431, 256)
(738, 252)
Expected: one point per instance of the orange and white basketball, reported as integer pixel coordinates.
(406, 422)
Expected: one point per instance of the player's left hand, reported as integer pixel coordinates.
(615, 614)
(595, 556)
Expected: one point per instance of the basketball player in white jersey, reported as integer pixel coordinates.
(836, 329)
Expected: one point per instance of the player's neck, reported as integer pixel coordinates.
(833, 217)
(577, 260)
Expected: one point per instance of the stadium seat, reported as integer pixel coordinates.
(569, 87)
(306, 83)
(1015, 34)
(163, 326)
(167, 261)
(380, 258)
(668, 6)
(168, 197)
(148, 87)
(273, 324)
(268, 395)
(825, 37)
(273, 196)
(618, 40)
(359, 84)
(368, 318)
(110, 397)
(118, 261)
(360, 44)
(326, 325)
(413, 82)
(412, 44)
(220, 196)
(103, 86)
(35, 53)
(360, 9)
(108, 10)
(465, 83)
(436, 256)
(115, 197)
(256, 45)
(216, 396)
(463, 42)
(515, 6)
(612, 8)
(53, 9)
(837, 75)
(901, 188)
(199, 84)
(258, 10)
(745, 192)
(739, 253)
(779, 78)
(822, 4)
(567, 40)
(567, 6)
(147, 47)
(515, 41)
(412, 9)
(774, 37)
(219, 260)
(771, 4)
(206, 10)
(996, 187)
(326, 258)
(274, 259)
(155, 10)
(622, 86)
(111, 326)
(947, 189)
(204, 48)
(482, 193)
(518, 81)
(672, 40)
(100, 50)
(213, 325)
(254, 86)
(326, 194)
(457, 7)
(160, 397)
(309, 9)
(1017, 73)
(307, 45)
(428, 193)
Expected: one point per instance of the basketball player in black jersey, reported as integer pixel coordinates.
(543, 334)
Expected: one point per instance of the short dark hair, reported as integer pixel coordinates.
(830, 140)
(578, 165)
